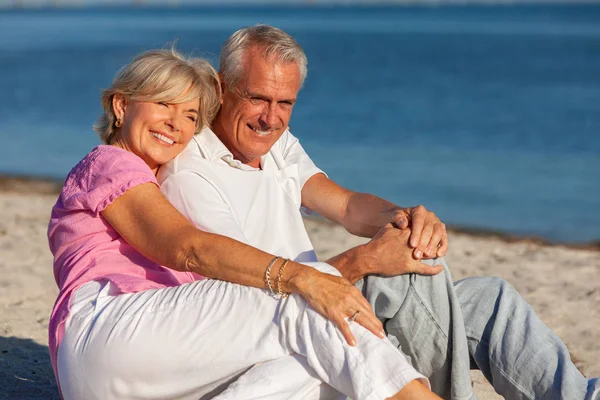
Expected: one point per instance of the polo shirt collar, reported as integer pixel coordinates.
(213, 150)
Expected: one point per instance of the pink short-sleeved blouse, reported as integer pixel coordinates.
(86, 248)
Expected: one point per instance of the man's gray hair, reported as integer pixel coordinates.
(272, 41)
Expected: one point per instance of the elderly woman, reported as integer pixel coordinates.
(151, 307)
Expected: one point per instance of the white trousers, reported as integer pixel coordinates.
(194, 340)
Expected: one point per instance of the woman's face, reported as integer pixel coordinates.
(155, 132)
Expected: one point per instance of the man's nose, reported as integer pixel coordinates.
(268, 118)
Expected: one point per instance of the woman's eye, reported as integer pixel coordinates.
(192, 118)
(162, 103)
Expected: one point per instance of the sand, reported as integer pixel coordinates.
(561, 284)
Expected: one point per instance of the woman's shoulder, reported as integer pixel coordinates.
(106, 156)
(104, 169)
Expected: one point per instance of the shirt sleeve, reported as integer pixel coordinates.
(200, 202)
(102, 176)
(293, 153)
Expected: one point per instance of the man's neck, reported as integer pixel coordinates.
(219, 131)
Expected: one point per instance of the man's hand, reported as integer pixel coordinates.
(428, 234)
(387, 254)
(391, 253)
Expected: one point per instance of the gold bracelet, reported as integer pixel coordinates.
(280, 292)
(268, 275)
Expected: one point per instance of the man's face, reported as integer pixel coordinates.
(256, 112)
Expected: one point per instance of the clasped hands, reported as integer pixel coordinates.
(412, 235)
(428, 237)
(397, 248)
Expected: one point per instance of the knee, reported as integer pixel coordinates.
(488, 292)
(490, 286)
(487, 302)
(496, 285)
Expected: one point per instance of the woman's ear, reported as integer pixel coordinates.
(119, 103)
(223, 83)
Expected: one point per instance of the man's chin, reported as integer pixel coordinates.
(263, 150)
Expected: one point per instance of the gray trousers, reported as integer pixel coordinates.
(422, 315)
(448, 328)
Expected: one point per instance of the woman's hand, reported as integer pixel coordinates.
(337, 300)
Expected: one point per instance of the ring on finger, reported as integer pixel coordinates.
(353, 317)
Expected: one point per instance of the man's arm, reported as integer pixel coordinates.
(364, 215)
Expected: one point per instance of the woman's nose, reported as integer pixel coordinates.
(174, 122)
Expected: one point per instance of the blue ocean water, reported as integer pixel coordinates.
(489, 116)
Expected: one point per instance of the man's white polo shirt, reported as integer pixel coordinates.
(260, 207)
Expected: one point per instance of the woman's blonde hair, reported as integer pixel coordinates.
(162, 75)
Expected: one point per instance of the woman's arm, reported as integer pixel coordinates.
(149, 223)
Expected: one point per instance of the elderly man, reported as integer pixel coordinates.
(248, 178)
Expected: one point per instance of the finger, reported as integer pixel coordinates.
(366, 317)
(424, 269)
(401, 220)
(435, 240)
(370, 323)
(374, 323)
(423, 256)
(346, 332)
(425, 238)
(417, 223)
(443, 244)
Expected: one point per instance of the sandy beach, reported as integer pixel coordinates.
(561, 283)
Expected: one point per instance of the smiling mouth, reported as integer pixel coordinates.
(262, 133)
(162, 138)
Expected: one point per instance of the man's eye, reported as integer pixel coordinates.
(192, 118)
(162, 103)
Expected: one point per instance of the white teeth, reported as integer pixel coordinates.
(261, 132)
(162, 137)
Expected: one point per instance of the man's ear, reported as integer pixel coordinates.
(119, 103)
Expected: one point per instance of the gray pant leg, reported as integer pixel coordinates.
(515, 350)
(423, 316)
